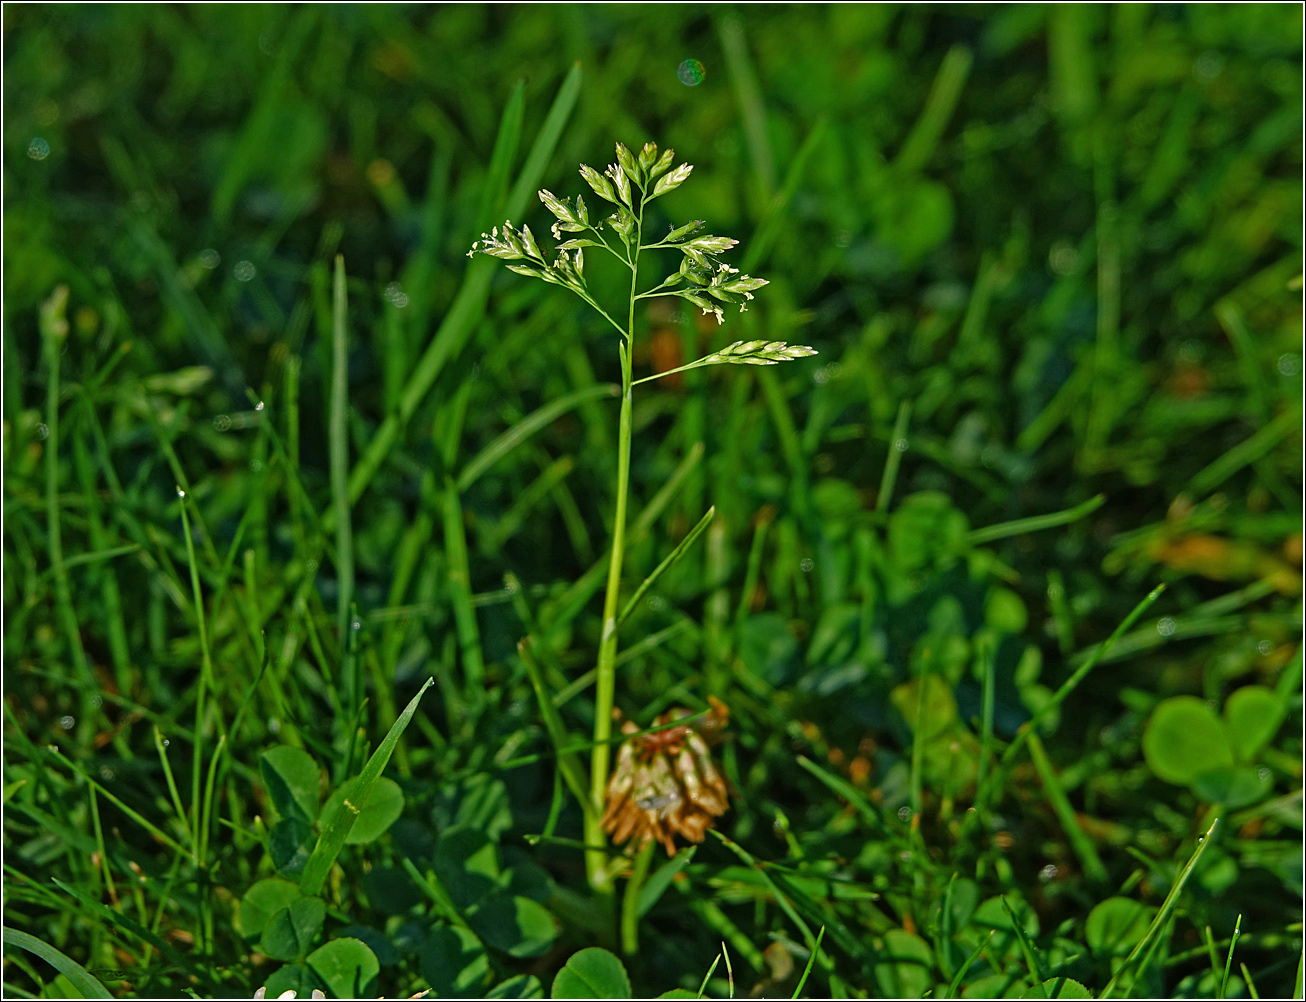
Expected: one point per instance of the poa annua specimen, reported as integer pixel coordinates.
(686, 805)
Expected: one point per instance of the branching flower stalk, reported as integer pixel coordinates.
(702, 279)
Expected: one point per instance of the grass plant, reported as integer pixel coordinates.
(342, 570)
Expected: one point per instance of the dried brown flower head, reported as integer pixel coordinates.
(665, 783)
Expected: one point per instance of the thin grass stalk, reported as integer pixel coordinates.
(600, 878)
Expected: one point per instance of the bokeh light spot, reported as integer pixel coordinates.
(691, 72)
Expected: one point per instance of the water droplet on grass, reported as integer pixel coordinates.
(1263, 774)
(209, 258)
(691, 72)
(900, 444)
(166, 743)
(258, 406)
(180, 493)
(67, 722)
(42, 431)
(1289, 364)
(222, 422)
(1165, 626)
(1048, 873)
(904, 813)
(106, 772)
(807, 564)
(38, 149)
(243, 271)
(1265, 647)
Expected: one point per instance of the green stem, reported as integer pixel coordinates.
(596, 866)
(630, 902)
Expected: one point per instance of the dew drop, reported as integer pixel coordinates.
(243, 271)
(1265, 647)
(67, 722)
(691, 72)
(106, 772)
(97, 702)
(274, 725)
(255, 466)
(905, 856)
(167, 743)
(209, 258)
(356, 624)
(807, 564)
(904, 813)
(180, 493)
(1048, 873)
(258, 406)
(1289, 364)
(222, 422)
(1165, 626)
(38, 149)
(1263, 774)
(900, 444)
(42, 431)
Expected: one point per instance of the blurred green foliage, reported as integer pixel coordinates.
(1046, 252)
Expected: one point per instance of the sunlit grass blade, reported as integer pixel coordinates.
(1145, 945)
(1228, 960)
(811, 960)
(633, 603)
(336, 828)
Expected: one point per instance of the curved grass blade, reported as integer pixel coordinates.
(81, 978)
(337, 828)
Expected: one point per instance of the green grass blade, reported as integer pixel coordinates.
(338, 433)
(1026, 947)
(501, 158)
(80, 977)
(1022, 525)
(897, 446)
(944, 93)
(1080, 674)
(1145, 945)
(671, 558)
(527, 427)
(811, 961)
(1228, 961)
(337, 827)
(469, 305)
(573, 772)
(1084, 848)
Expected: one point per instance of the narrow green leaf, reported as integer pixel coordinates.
(338, 825)
(80, 977)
